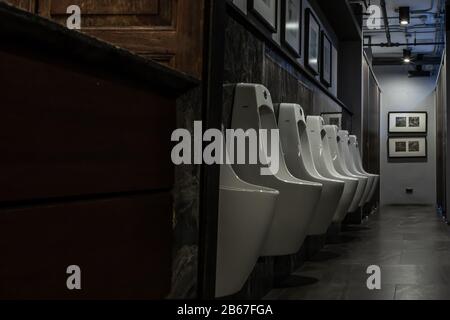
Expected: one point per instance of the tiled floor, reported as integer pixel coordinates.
(411, 246)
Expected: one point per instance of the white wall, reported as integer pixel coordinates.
(401, 93)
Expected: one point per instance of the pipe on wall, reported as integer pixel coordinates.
(386, 22)
(422, 11)
(398, 44)
(429, 10)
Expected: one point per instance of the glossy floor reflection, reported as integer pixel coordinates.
(410, 244)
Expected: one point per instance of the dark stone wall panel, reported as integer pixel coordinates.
(244, 55)
(185, 218)
(285, 86)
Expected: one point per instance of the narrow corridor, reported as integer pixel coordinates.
(225, 152)
(411, 246)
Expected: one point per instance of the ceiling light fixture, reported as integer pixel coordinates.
(404, 15)
(407, 55)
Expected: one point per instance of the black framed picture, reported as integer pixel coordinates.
(312, 42)
(291, 30)
(326, 60)
(333, 119)
(408, 122)
(241, 5)
(407, 147)
(266, 11)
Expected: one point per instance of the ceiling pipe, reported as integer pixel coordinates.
(440, 28)
(425, 10)
(398, 31)
(422, 11)
(418, 16)
(409, 30)
(413, 26)
(387, 61)
(398, 44)
(386, 22)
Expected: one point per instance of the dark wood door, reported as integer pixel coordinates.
(167, 31)
(27, 5)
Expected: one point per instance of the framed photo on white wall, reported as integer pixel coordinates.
(408, 122)
(407, 147)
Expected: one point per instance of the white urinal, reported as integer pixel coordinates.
(245, 214)
(345, 143)
(324, 164)
(354, 149)
(295, 142)
(341, 167)
(372, 179)
(298, 199)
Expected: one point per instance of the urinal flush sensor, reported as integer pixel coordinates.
(243, 147)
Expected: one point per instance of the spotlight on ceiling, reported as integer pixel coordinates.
(419, 72)
(404, 15)
(407, 55)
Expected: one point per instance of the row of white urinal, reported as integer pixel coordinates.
(320, 179)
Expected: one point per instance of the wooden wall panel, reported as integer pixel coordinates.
(123, 247)
(27, 5)
(169, 31)
(110, 7)
(67, 133)
(151, 14)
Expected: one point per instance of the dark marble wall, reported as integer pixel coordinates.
(284, 84)
(247, 59)
(186, 194)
